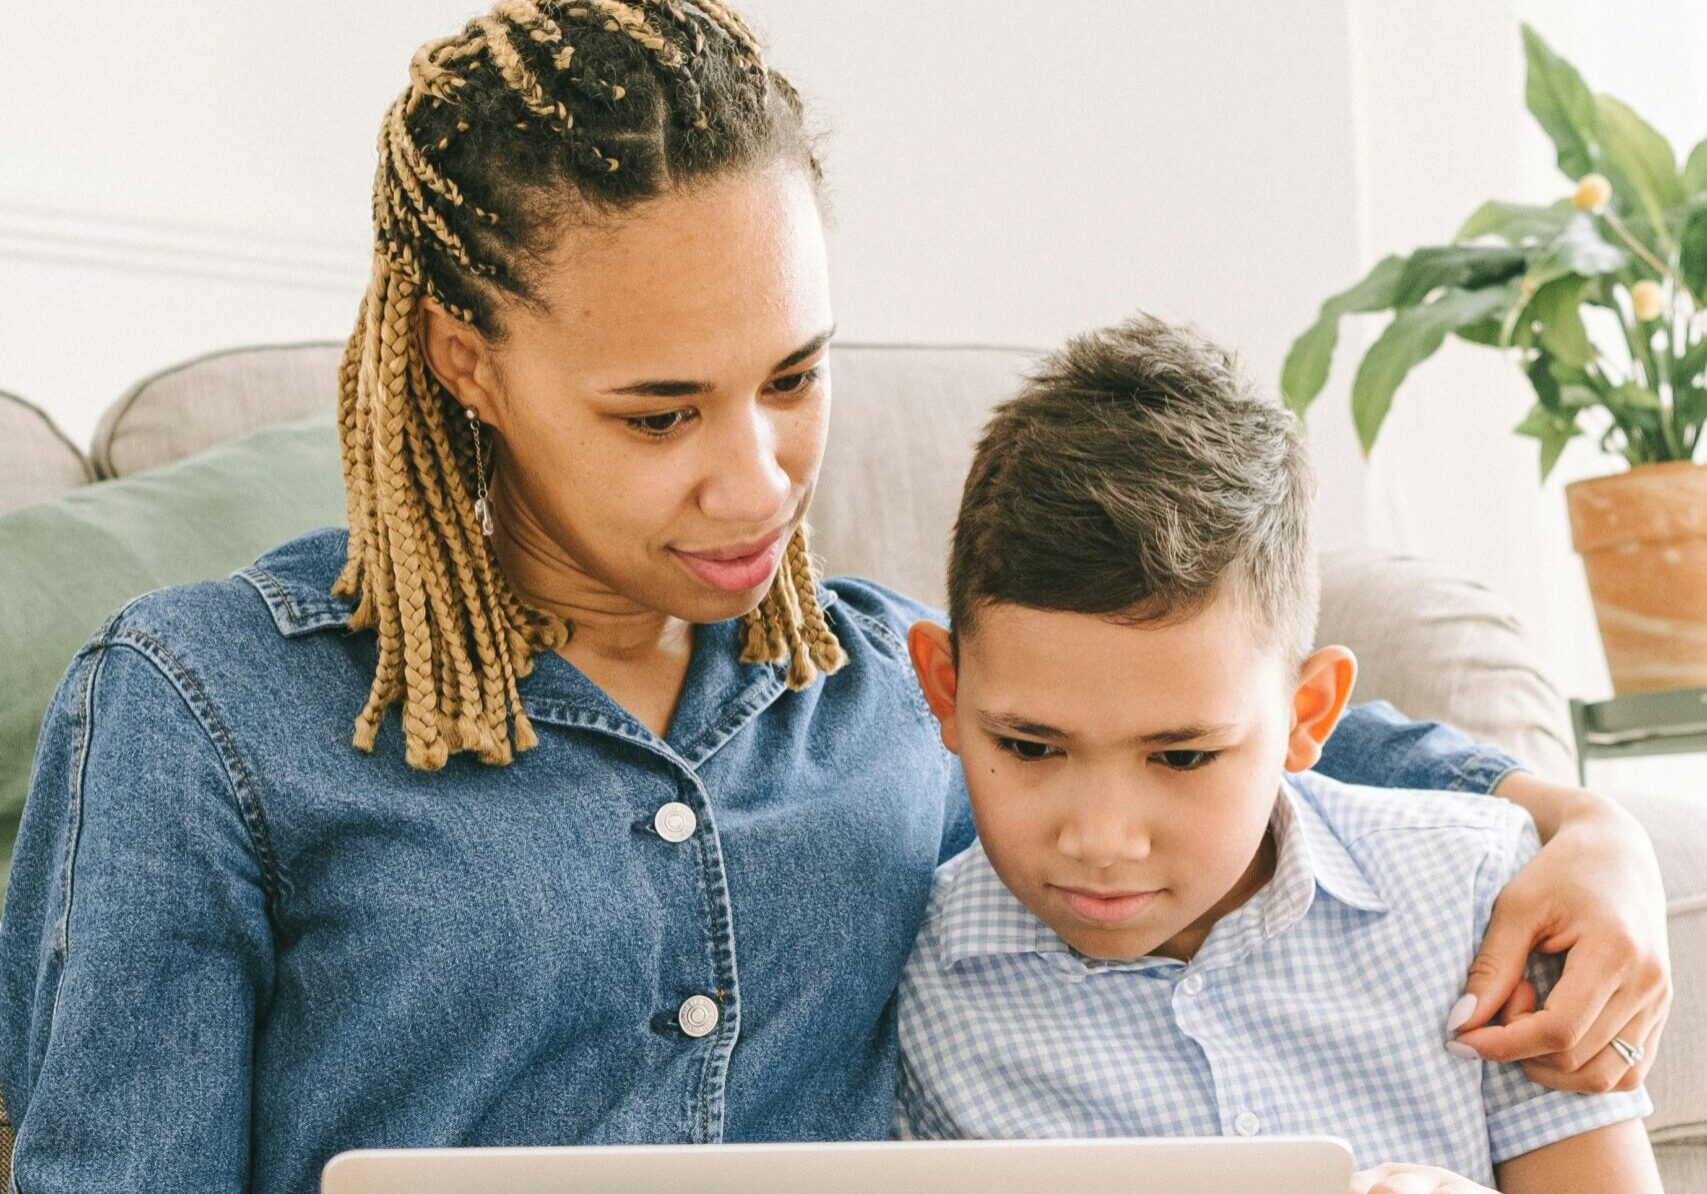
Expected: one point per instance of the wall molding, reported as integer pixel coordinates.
(114, 241)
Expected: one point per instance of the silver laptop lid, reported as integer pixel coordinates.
(1211, 1165)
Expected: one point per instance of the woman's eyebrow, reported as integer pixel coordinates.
(687, 389)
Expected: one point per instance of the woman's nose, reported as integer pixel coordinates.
(746, 483)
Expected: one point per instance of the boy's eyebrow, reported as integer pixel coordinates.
(686, 389)
(1005, 723)
(1183, 734)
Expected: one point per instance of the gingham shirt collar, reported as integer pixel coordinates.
(982, 918)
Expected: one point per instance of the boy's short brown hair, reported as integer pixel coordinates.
(1136, 475)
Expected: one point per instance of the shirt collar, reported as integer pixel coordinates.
(980, 917)
(1321, 853)
(720, 693)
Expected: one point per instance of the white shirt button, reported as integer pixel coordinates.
(697, 1015)
(1192, 984)
(1246, 1123)
(675, 822)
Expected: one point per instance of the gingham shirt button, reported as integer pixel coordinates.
(697, 1015)
(1246, 1123)
(675, 822)
(1192, 984)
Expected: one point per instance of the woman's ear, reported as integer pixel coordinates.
(933, 662)
(459, 358)
(1324, 688)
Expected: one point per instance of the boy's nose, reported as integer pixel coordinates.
(1104, 830)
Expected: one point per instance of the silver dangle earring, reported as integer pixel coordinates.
(482, 510)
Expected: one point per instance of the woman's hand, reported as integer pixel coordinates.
(1594, 890)
(1413, 1179)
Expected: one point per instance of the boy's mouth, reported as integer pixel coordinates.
(1107, 907)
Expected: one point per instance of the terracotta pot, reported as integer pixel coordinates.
(1643, 539)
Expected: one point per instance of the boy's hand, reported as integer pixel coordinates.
(1413, 1179)
(1594, 890)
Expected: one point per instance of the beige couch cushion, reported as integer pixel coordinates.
(1439, 647)
(903, 422)
(37, 461)
(225, 395)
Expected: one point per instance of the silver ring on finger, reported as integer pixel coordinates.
(1632, 1054)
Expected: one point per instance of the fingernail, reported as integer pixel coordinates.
(1460, 1012)
(1460, 1049)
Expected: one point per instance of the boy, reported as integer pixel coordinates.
(1167, 927)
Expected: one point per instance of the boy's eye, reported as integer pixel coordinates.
(796, 382)
(1185, 760)
(1027, 749)
(659, 426)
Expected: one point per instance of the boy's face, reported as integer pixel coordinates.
(1122, 776)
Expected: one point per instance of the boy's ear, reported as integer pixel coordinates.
(933, 662)
(1324, 688)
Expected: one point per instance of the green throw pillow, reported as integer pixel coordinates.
(69, 564)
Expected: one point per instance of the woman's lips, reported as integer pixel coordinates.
(1107, 908)
(737, 568)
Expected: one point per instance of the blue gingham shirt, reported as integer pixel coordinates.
(1319, 1006)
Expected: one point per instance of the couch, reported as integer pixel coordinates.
(903, 424)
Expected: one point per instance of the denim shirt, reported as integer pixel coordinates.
(235, 945)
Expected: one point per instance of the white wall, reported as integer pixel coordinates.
(197, 177)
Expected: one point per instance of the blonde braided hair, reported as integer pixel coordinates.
(511, 111)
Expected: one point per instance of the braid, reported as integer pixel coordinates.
(789, 624)
(824, 647)
(496, 123)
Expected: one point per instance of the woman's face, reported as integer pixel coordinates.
(661, 423)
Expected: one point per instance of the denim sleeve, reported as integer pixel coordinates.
(1380, 747)
(136, 948)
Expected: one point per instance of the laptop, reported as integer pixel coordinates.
(1208, 1165)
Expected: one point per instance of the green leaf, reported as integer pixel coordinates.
(1552, 448)
(1561, 101)
(1690, 403)
(1636, 397)
(1690, 365)
(1578, 249)
(1515, 223)
(1486, 331)
(1695, 170)
(1636, 153)
(1464, 267)
(1578, 388)
(1692, 252)
(1545, 385)
(1413, 336)
(1553, 430)
(1306, 368)
(1555, 308)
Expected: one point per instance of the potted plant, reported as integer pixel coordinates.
(1598, 298)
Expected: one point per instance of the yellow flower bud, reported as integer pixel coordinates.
(1593, 193)
(1648, 300)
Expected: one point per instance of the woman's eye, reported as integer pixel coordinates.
(1026, 749)
(659, 426)
(1186, 760)
(795, 382)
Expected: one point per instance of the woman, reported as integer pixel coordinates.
(643, 853)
